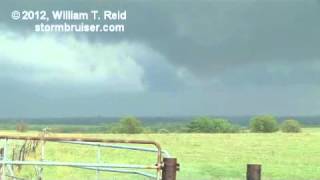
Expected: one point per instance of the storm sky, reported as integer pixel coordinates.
(175, 58)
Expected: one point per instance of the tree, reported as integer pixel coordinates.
(291, 126)
(265, 123)
(130, 125)
(208, 125)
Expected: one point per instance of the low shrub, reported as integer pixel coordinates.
(265, 123)
(291, 126)
(21, 126)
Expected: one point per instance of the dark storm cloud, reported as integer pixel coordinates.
(209, 36)
(197, 57)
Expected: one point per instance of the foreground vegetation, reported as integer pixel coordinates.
(202, 156)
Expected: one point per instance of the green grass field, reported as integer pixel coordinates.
(202, 156)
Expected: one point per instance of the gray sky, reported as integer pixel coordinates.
(175, 58)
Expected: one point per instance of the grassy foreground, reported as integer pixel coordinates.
(202, 156)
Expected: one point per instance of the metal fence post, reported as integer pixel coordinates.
(253, 172)
(170, 168)
(42, 159)
(1, 166)
(98, 161)
(4, 158)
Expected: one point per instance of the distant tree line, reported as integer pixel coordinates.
(132, 125)
(212, 125)
(258, 124)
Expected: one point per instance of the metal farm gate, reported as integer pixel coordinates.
(164, 168)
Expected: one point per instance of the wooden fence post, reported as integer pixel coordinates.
(170, 168)
(253, 172)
